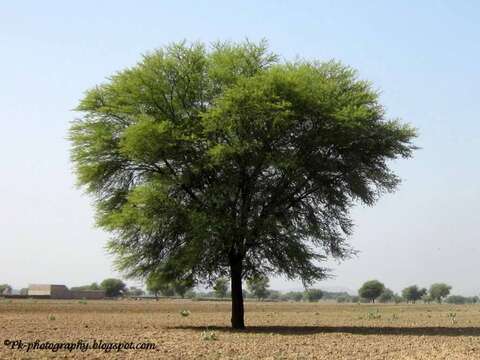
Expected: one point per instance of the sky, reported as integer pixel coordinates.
(422, 56)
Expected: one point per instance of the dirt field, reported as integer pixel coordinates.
(275, 330)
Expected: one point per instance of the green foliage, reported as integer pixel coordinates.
(386, 296)
(427, 298)
(166, 283)
(371, 290)
(313, 295)
(258, 286)
(374, 315)
(185, 313)
(209, 335)
(460, 300)
(220, 287)
(113, 287)
(134, 291)
(5, 289)
(413, 293)
(294, 295)
(452, 316)
(439, 291)
(206, 159)
(92, 286)
(344, 299)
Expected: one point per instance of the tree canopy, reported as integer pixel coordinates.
(371, 290)
(413, 293)
(258, 286)
(113, 287)
(439, 291)
(225, 161)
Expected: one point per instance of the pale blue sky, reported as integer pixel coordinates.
(423, 56)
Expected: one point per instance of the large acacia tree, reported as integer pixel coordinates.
(225, 161)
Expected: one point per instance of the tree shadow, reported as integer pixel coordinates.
(356, 330)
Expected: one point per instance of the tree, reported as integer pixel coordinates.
(294, 295)
(182, 286)
(427, 299)
(5, 289)
(273, 295)
(313, 295)
(95, 286)
(439, 291)
(386, 296)
(221, 287)
(258, 286)
(92, 286)
(371, 290)
(458, 299)
(113, 287)
(225, 161)
(157, 282)
(134, 291)
(413, 293)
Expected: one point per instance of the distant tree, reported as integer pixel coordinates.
(221, 287)
(113, 287)
(371, 290)
(294, 295)
(225, 159)
(427, 298)
(274, 295)
(182, 286)
(312, 295)
(439, 291)
(157, 284)
(134, 291)
(190, 294)
(258, 286)
(166, 282)
(5, 289)
(92, 286)
(24, 291)
(355, 299)
(95, 286)
(344, 299)
(413, 293)
(386, 296)
(457, 299)
(397, 298)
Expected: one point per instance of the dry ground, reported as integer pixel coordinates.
(275, 330)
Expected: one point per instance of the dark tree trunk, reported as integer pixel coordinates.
(237, 294)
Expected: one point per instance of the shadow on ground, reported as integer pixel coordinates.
(357, 330)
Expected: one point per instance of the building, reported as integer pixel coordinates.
(62, 292)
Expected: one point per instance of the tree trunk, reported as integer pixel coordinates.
(237, 294)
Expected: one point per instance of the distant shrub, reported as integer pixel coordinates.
(51, 317)
(312, 295)
(460, 300)
(344, 299)
(374, 315)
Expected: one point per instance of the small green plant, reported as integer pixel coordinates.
(374, 315)
(185, 313)
(83, 302)
(395, 317)
(452, 316)
(209, 335)
(51, 317)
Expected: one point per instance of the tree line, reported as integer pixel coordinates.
(258, 288)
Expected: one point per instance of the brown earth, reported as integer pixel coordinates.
(275, 330)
